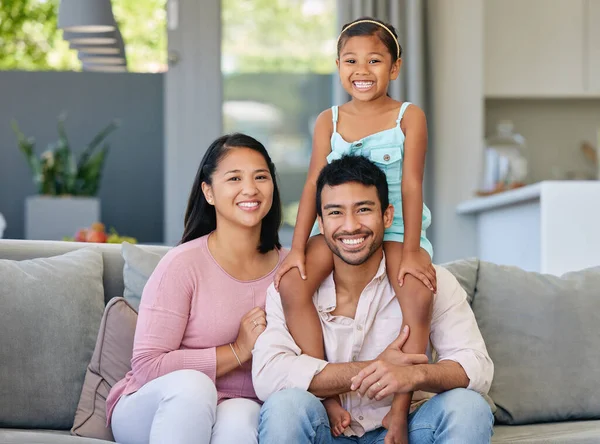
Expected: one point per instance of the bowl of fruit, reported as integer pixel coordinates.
(96, 233)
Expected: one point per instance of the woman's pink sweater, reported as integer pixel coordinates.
(189, 307)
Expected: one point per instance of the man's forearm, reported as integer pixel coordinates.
(441, 377)
(335, 379)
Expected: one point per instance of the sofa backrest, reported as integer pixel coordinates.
(111, 253)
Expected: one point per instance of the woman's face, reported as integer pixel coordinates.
(242, 188)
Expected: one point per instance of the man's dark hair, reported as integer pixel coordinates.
(349, 169)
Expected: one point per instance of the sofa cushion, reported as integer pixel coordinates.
(542, 333)
(465, 272)
(572, 432)
(50, 312)
(110, 363)
(13, 436)
(139, 265)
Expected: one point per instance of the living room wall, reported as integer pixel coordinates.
(132, 187)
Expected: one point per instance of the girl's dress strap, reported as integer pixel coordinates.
(334, 114)
(402, 111)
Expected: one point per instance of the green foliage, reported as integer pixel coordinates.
(56, 172)
(279, 36)
(30, 40)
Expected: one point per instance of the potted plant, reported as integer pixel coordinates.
(67, 185)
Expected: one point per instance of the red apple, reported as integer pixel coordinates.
(96, 236)
(81, 235)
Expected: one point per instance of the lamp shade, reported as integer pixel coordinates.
(86, 16)
(90, 38)
(118, 47)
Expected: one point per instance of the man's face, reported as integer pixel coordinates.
(352, 221)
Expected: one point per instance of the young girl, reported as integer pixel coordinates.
(394, 136)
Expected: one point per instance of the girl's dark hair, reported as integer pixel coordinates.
(362, 29)
(201, 218)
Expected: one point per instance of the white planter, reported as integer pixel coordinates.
(53, 218)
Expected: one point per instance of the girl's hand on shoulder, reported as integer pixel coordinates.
(294, 259)
(418, 264)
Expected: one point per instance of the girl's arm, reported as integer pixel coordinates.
(413, 169)
(307, 211)
(297, 289)
(415, 147)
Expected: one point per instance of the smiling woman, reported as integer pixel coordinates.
(202, 309)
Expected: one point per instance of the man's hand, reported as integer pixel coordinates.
(391, 373)
(397, 429)
(394, 355)
(380, 380)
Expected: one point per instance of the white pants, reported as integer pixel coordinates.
(181, 408)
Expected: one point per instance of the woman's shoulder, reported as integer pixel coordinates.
(184, 255)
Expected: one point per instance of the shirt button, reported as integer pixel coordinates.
(354, 358)
(359, 328)
(358, 144)
(386, 157)
(361, 418)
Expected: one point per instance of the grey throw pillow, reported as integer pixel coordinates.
(139, 265)
(50, 313)
(542, 333)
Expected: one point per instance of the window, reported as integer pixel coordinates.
(278, 61)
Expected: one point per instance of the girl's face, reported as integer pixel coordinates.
(365, 67)
(242, 188)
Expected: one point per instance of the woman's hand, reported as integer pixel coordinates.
(418, 264)
(294, 259)
(253, 324)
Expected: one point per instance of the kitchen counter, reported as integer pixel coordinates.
(550, 227)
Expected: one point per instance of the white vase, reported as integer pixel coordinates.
(56, 217)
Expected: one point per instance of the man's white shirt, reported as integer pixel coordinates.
(278, 364)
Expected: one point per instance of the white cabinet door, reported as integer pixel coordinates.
(593, 46)
(534, 48)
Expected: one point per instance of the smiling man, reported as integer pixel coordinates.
(361, 319)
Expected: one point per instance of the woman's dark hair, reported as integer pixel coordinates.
(365, 29)
(357, 169)
(201, 218)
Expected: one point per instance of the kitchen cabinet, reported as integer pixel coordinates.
(593, 46)
(539, 48)
(549, 227)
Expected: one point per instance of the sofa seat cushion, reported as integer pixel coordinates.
(18, 436)
(575, 432)
(50, 313)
